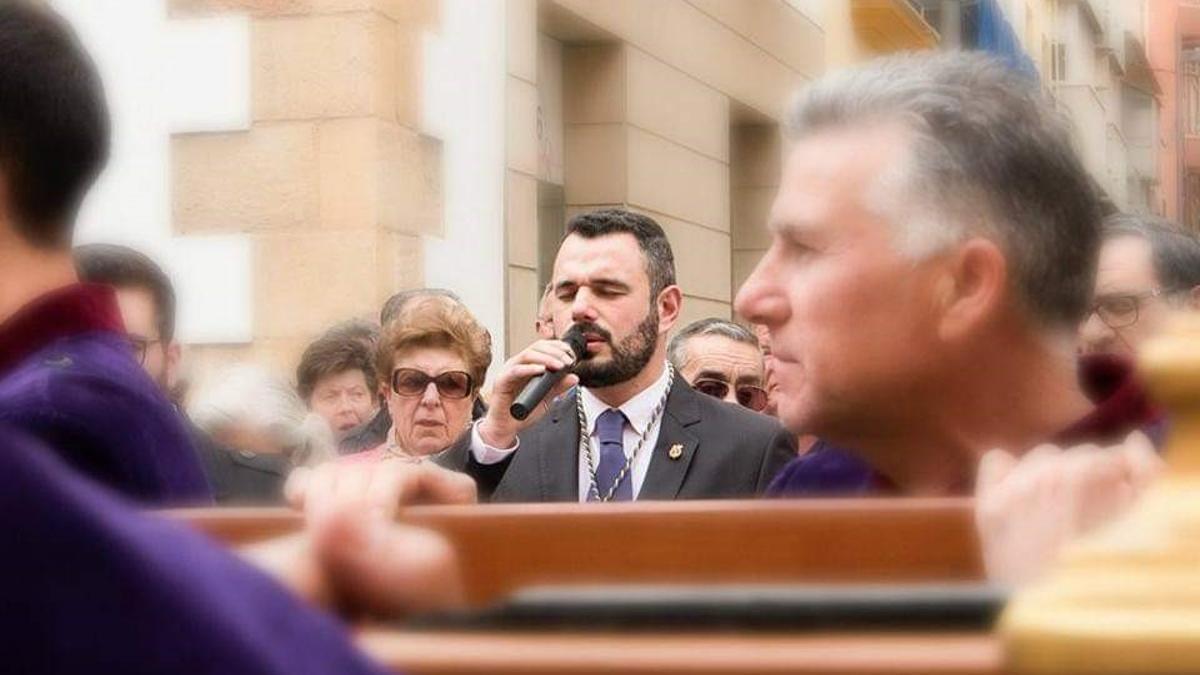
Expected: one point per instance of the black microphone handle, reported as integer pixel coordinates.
(538, 387)
(534, 392)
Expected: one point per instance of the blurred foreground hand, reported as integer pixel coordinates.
(380, 487)
(1027, 509)
(352, 556)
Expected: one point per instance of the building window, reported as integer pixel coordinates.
(1058, 61)
(1191, 96)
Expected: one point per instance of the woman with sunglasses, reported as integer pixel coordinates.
(432, 359)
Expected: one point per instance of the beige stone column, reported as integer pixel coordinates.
(641, 133)
(333, 182)
(754, 172)
(521, 174)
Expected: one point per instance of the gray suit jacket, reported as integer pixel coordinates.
(728, 452)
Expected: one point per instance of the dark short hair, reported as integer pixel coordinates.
(123, 267)
(366, 332)
(332, 354)
(396, 303)
(677, 348)
(660, 261)
(54, 125)
(1175, 251)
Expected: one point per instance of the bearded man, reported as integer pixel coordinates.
(645, 433)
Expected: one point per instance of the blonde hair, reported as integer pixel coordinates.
(436, 322)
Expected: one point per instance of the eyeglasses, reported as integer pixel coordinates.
(1120, 310)
(748, 395)
(411, 382)
(140, 345)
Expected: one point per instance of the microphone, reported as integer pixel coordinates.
(538, 387)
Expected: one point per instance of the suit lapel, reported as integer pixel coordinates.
(665, 475)
(559, 459)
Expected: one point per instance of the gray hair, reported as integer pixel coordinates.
(250, 397)
(677, 348)
(395, 304)
(989, 155)
(1175, 251)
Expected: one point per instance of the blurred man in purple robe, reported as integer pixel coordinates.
(67, 372)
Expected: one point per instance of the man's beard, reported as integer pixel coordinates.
(628, 358)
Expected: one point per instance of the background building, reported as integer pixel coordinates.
(1092, 57)
(1174, 41)
(295, 162)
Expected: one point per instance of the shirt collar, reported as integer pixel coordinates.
(67, 311)
(638, 410)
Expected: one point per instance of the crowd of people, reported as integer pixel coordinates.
(945, 309)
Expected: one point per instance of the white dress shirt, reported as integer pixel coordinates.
(638, 411)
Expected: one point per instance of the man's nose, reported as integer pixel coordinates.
(583, 307)
(759, 299)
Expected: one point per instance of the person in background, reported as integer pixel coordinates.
(1148, 267)
(432, 358)
(336, 379)
(146, 299)
(804, 442)
(375, 432)
(722, 359)
(69, 374)
(266, 429)
(772, 387)
(544, 325)
(651, 435)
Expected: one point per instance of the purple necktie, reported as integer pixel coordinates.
(610, 431)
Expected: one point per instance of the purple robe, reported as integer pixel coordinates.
(68, 378)
(88, 584)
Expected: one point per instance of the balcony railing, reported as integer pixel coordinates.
(1191, 97)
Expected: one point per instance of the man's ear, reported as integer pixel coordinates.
(972, 287)
(669, 304)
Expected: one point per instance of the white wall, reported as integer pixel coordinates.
(162, 77)
(464, 105)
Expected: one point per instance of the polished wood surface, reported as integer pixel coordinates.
(418, 653)
(507, 547)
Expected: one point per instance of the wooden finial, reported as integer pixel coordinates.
(1127, 598)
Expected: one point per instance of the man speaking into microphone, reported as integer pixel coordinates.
(622, 425)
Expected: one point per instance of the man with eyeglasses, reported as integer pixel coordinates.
(721, 359)
(1148, 266)
(146, 302)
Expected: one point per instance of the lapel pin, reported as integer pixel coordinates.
(675, 452)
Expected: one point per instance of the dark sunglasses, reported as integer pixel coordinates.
(411, 382)
(748, 395)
